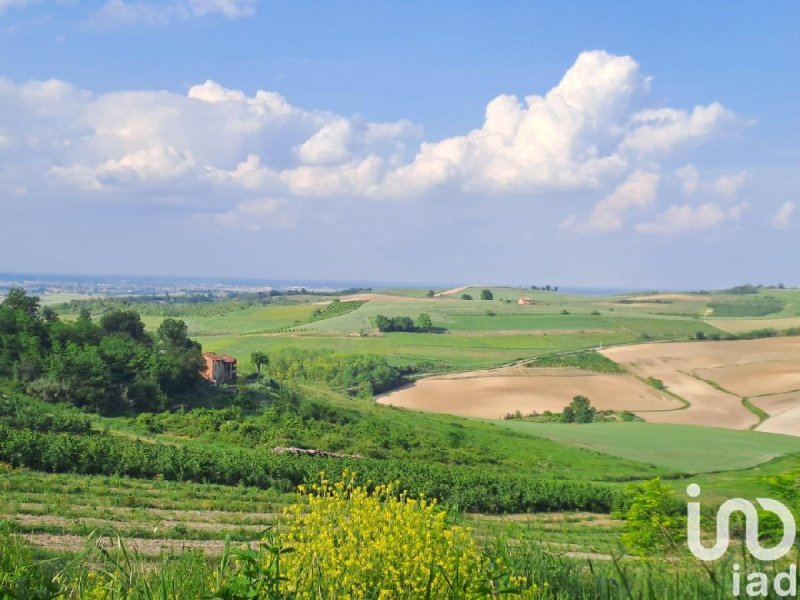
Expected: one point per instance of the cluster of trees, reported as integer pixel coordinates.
(386, 324)
(580, 410)
(113, 367)
(545, 288)
(356, 374)
(485, 295)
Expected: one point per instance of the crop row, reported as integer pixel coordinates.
(470, 489)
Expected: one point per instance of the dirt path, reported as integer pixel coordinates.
(121, 525)
(453, 291)
(76, 543)
(196, 516)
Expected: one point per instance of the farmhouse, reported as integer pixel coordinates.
(219, 368)
(524, 300)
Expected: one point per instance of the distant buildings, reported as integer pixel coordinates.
(524, 300)
(219, 367)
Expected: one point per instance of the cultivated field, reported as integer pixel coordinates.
(715, 377)
(494, 394)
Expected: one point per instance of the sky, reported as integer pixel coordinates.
(623, 144)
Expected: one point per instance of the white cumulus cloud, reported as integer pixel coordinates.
(540, 142)
(728, 185)
(215, 142)
(783, 217)
(661, 130)
(685, 218)
(638, 190)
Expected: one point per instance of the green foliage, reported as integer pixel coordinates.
(759, 306)
(355, 374)
(580, 410)
(588, 360)
(423, 322)
(466, 297)
(656, 383)
(471, 489)
(18, 413)
(386, 324)
(335, 309)
(112, 369)
(21, 577)
(742, 289)
(654, 520)
(487, 295)
(259, 359)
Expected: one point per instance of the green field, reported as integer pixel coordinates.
(685, 448)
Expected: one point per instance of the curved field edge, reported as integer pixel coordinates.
(685, 448)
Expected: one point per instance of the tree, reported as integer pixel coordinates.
(174, 332)
(18, 299)
(49, 314)
(430, 294)
(700, 335)
(259, 359)
(487, 295)
(127, 322)
(424, 322)
(466, 297)
(383, 323)
(584, 411)
(568, 415)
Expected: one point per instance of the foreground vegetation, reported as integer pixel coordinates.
(135, 478)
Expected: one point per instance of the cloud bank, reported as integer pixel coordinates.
(213, 145)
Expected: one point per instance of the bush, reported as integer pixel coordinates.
(654, 519)
(347, 538)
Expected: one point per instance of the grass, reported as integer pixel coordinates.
(589, 361)
(684, 448)
(758, 412)
(245, 321)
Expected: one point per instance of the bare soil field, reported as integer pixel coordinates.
(757, 379)
(493, 394)
(692, 371)
(787, 422)
(784, 412)
(740, 367)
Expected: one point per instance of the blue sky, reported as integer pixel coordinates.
(579, 143)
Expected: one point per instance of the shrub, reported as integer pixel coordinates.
(653, 520)
(347, 540)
